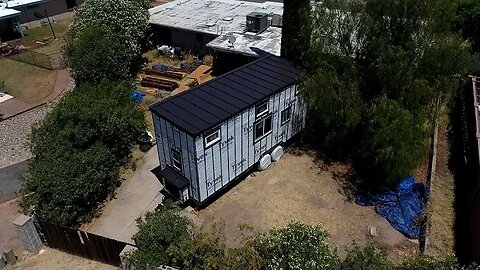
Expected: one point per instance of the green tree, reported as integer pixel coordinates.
(296, 30)
(296, 246)
(158, 233)
(395, 141)
(95, 55)
(467, 22)
(199, 251)
(366, 258)
(401, 53)
(98, 23)
(78, 150)
(65, 190)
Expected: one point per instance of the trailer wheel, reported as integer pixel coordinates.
(264, 162)
(277, 153)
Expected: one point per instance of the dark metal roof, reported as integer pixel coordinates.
(171, 176)
(207, 105)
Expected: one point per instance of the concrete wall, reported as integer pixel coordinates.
(10, 181)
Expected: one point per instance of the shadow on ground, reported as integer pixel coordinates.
(463, 162)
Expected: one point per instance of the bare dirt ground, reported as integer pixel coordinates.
(56, 260)
(295, 188)
(442, 198)
(8, 236)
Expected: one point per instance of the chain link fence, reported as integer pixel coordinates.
(53, 61)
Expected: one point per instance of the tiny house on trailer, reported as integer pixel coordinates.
(215, 133)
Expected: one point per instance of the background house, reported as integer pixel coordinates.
(32, 10)
(219, 27)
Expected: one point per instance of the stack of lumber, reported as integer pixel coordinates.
(159, 83)
(169, 74)
(202, 74)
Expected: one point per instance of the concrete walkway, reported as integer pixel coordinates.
(10, 181)
(137, 196)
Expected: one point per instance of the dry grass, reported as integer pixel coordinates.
(56, 260)
(442, 197)
(26, 82)
(155, 58)
(295, 188)
(44, 32)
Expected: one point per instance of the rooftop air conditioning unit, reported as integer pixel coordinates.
(257, 22)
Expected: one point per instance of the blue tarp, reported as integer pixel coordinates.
(401, 207)
(137, 96)
(161, 67)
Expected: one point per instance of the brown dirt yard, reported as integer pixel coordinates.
(56, 260)
(297, 189)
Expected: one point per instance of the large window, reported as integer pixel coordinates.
(261, 109)
(263, 127)
(176, 160)
(212, 137)
(286, 114)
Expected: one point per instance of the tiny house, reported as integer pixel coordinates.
(215, 133)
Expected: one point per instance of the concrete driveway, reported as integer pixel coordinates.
(10, 181)
(135, 197)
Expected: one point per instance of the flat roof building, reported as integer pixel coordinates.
(220, 26)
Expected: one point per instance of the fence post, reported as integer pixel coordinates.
(33, 57)
(27, 233)
(127, 264)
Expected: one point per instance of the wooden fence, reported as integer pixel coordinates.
(80, 243)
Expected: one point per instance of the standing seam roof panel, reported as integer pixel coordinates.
(214, 101)
(258, 75)
(207, 105)
(273, 74)
(242, 88)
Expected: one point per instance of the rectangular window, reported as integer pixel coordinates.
(176, 160)
(263, 128)
(286, 114)
(261, 109)
(212, 137)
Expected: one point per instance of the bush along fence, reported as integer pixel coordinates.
(53, 61)
(34, 233)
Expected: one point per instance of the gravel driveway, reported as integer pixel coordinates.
(14, 133)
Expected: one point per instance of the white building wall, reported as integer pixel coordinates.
(170, 137)
(236, 152)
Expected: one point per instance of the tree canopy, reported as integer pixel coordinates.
(105, 39)
(376, 73)
(78, 150)
(166, 237)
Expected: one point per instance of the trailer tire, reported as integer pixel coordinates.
(264, 162)
(277, 153)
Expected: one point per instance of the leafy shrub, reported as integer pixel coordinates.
(366, 258)
(296, 246)
(159, 232)
(98, 23)
(78, 150)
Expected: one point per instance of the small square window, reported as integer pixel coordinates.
(263, 128)
(261, 109)
(176, 160)
(286, 114)
(212, 137)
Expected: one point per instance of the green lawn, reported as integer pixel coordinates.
(44, 32)
(26, 82)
